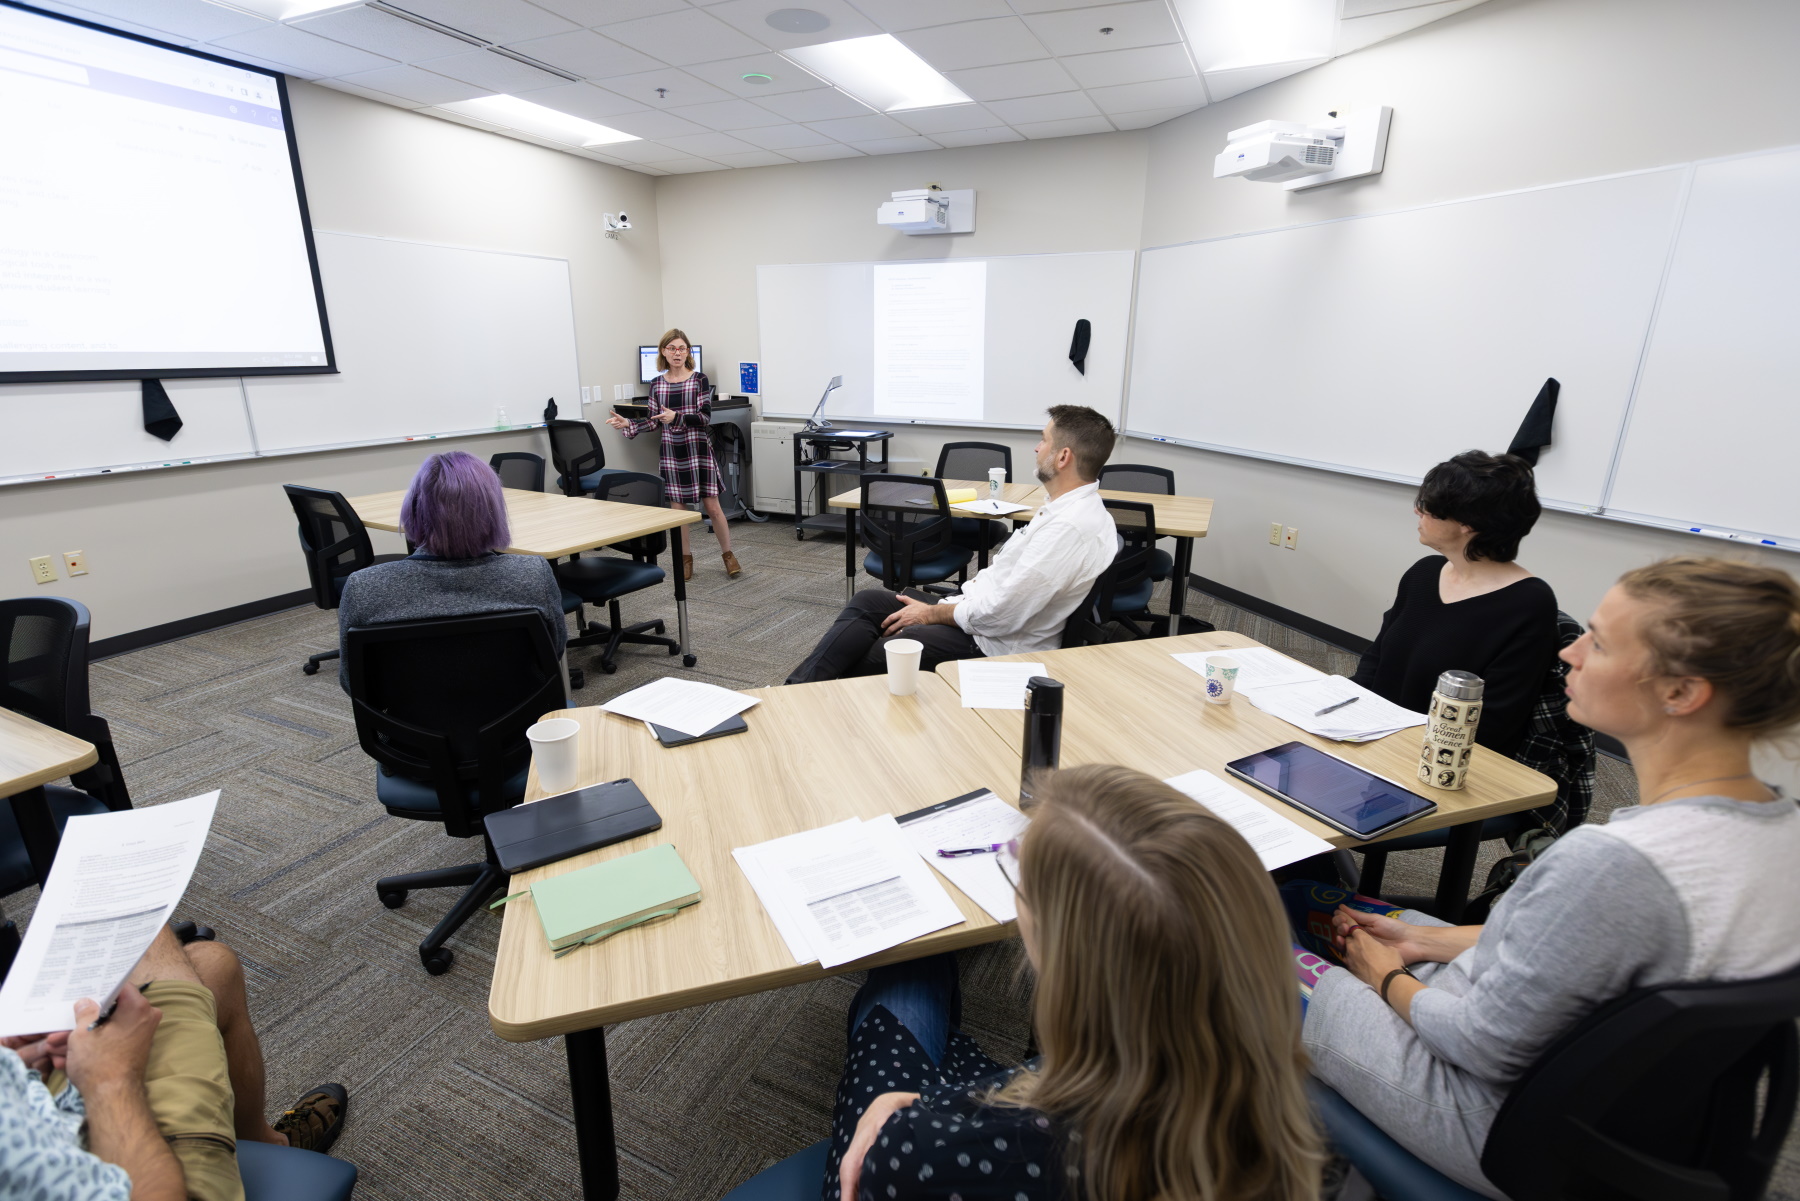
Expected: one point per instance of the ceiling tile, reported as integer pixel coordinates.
(1077, 31)
(987, 136)
(188, 20)
(110, 21)
(726, 114)
(782, 137)
(975, 43)
(640, 152)
(784, 75)
(708, 144)
(1144, 120)
(946, 117)
(896, 145)
(751, 158)
(1141, 65)
(1355, 34)
(417, 85)
(897, 15)
(747, 16)
(811, 154)
(1222, 85)
(1364, 8)
(1136, 97)
(585, 53)
(820, 104)
(687, 166)
(679, 88)
(687, 36)
(1063, 129)
(860, 129)
(1046, 6)
(1045, 108)
(310, 54)
(588, 101)
(339, 85)
(495, 72)
(368, 29)
(653, 124)
(1038, 78)
(599, 12)
(494, 20)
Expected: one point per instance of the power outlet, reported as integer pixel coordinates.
(43, 570)
(1274, 533)
(1291, 539)
(76, 562)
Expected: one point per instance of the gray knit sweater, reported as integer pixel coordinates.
(425, 586)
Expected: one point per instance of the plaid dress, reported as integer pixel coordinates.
(688, 468)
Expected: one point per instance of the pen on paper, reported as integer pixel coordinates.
(1334, 708)
(959, 852)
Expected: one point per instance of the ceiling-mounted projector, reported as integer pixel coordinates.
(929, 210)
(1299, 155)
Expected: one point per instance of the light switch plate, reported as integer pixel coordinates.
(1274, 533)
(587, 395)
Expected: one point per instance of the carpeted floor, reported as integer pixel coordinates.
(441, 1107)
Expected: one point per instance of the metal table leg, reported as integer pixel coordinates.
(849, 555)
(590, 1089)
(1458, 870)
(37, 829)
(1179, 621)
(681, 616)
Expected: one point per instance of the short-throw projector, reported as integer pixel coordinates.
(1274, 151)
(916, 212)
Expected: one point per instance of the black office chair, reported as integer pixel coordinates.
(1138, 477)
(904, 523)
(1117, 607)
(578, 457)
(44, 675)
(336, 545)
(442, 706)
(1679, 1093)
(272, 1173)
(520, 470)
(603, 579)
(971, 461)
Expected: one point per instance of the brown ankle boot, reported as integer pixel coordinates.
(687, 567)
(732, 567)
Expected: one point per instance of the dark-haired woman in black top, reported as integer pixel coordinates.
(1470, 607)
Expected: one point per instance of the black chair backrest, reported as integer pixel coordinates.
(971, 460)
(1136, 525)
(1655, 1097)
(637, 488)
(520, 470)
(1137, 477)
(333, 538)
(904, 518)
(44, 675)
(448, 701)
(575, 451)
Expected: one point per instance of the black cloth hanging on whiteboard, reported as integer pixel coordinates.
(160, 417)
(550, 411)
(1079, 347)
(1534, 431)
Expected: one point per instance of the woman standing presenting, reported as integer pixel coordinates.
(681, 404)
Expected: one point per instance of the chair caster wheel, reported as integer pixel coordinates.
(674, 650)
(660, 628)
(576, 678)
(437, 962)
(393, 898)
(311, 669)
(609, 668)
(688, 660)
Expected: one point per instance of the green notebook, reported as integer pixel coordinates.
(591, 904)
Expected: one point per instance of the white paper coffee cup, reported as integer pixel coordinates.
(903, 665)
(996, 482)
(553, 752)
(1221, 678)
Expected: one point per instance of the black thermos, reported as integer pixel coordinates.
(1043, 730)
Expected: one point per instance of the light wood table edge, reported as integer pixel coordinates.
(61, 753)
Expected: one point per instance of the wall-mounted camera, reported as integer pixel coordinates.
(616, 223)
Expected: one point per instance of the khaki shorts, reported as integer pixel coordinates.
(190, 1089)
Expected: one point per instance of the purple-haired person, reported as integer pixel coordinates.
(455, 514)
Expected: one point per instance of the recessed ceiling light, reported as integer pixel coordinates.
(757, 78)
(535, 119)
(797, 20)
(880, 71)
(280, 10)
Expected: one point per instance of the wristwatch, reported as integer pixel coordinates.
(1389, 979)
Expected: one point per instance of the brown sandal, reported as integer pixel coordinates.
(732, 567)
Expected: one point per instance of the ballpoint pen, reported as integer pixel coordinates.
(959, 852)
(1339, 705)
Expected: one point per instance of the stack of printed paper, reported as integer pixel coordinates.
(1276, 840)
(975, 821)
(685, 705)
(1333, 707)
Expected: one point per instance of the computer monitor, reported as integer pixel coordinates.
(647, 368)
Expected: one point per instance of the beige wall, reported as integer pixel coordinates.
(173, 544)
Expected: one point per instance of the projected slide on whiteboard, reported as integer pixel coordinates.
(930, 330)
(152, 217)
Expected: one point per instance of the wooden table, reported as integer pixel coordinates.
(32, 755)
(553, 527)
(1183, 518)
(815, 754)
(1133, 703)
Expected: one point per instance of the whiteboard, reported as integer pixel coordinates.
(429, 340)
(816, 320)
(1383, 344)
(53, 430)
(1715, 424)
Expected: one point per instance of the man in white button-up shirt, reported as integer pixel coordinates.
(1019, 603)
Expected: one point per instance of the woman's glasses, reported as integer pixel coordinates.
(1007, 859)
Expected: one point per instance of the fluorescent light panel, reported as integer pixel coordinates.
(538, 121)
(1226, 34)
(282, 10)
(880, 71)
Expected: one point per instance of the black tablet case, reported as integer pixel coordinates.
(734, 724)
(529, 836)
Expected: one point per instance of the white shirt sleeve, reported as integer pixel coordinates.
(996, 604)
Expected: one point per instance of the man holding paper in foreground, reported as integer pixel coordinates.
(1021, 601)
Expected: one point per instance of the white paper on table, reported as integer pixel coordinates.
(976, 820)
(754, 862)
(990, 507)
(685, 705)
(987, 685)
(116, 879)
(1371, 717)
(1276, 840)
(1258, 666)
